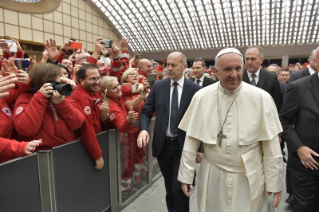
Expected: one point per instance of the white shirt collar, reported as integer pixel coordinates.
(257, 73)
(180, 82)
(201, 79)
(311, 71)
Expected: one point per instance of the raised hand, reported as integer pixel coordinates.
(23, 77)
(52, 49)
(124, 43)
(132, 115)
(8, 67)
(7, 83)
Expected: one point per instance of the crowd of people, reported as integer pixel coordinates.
(58, 100)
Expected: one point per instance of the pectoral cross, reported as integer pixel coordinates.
(220, 137)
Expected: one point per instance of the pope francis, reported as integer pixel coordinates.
(242, 164)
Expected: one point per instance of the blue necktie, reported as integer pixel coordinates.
(174, 110)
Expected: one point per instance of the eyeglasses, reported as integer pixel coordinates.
(134, 74)
(81, 59)
(94, 79)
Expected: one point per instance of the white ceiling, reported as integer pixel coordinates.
(185, 25)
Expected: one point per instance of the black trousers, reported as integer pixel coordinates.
(305, 185)
(169, 161)
(288, 177)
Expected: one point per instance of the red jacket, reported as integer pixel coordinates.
(118, 115)
(89, 105)
(36, 117)
(6, 124)
(10, 149)
(138, 109)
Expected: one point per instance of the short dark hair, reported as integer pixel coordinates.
(200, 60)
(82, 70)
(285, 69)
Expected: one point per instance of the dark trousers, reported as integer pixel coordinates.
(288, 178)
(168, 161)
(305, 185)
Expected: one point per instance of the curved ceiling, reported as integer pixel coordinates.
(166, 25)
(30, 6)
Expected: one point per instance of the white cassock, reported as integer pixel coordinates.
(236, 175)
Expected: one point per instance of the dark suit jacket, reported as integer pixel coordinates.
(299, 117)
(159, 100)
(268, 81)
(282, 88)
(298, 75)
(206, 81)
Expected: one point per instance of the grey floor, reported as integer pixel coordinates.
(153, 199)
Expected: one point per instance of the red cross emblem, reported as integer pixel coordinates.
(19, 110)
(7, 111)
(87, 110)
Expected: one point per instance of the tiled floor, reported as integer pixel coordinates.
(153, 199)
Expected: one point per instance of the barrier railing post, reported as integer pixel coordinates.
(114, 161)
(46, 181)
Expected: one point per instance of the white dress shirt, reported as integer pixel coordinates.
(256, 78)
(180, 90)
(311, 71)
(201, 81)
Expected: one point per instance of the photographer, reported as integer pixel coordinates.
(45, 113)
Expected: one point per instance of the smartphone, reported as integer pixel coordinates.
(108, 43)
(151, 79)
(13, 48)
(1, 52)
(75, 45)
(134, 88)
(21, 63)
(154, 65)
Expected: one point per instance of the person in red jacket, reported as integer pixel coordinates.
(120, 118)
(10, 148)
(133, 156)
(43, 112)
(6, 51)
(88, 98)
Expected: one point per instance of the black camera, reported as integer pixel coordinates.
(63, 89)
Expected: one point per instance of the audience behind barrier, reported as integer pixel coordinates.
(107, 92)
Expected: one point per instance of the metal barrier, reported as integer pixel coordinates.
(64, 179)
(19, 185)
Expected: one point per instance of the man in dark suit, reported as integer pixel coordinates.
(311, 69)
(170, 99)
(299, 117)
(198, 71)
(259, 77)
(274, 68)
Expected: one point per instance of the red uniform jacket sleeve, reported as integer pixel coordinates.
(70, 113)
(88, 134)
(10, 149)
(118, 118)
(118, 68)
(61, 57)
(29, 113)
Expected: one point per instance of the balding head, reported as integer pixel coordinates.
(312, 59)
(100, 63)
(145, 66)
(176, 64)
